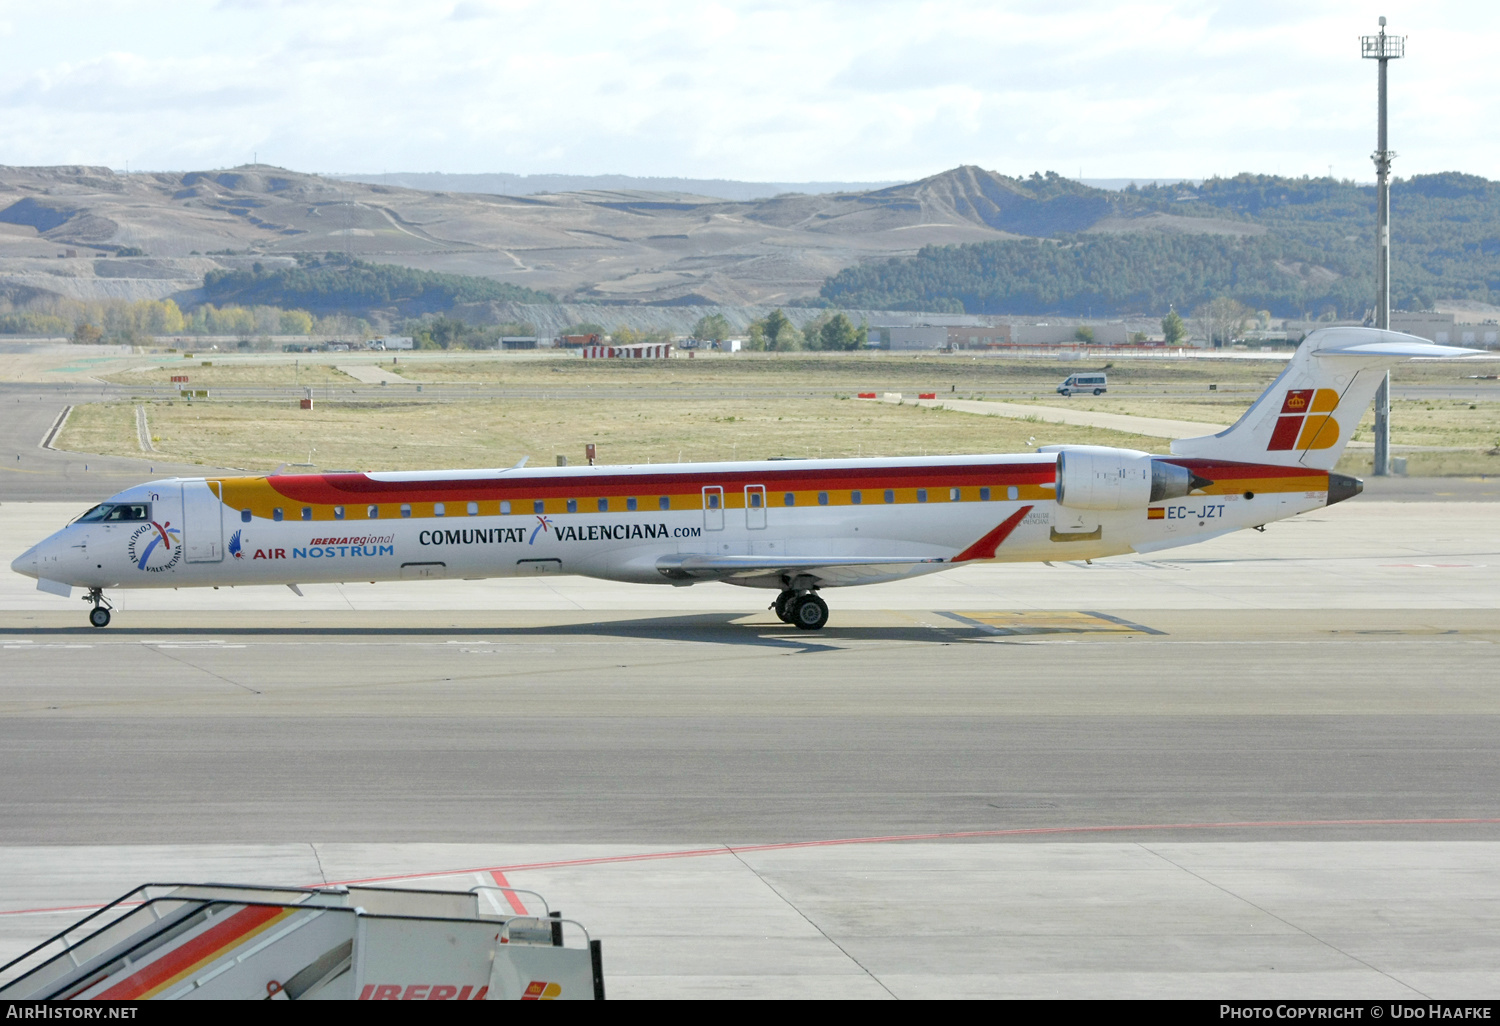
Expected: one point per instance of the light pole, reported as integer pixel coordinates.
(1383, 48)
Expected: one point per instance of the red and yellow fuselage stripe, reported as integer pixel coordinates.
(356, 496)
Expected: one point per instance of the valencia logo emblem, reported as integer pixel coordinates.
(1306, 420)
(155, 547)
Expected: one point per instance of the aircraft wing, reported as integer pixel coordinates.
(831, 570)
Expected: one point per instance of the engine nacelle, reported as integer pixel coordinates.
(1096, 477)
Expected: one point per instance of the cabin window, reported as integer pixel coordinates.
(665, 502)
(572, 505)
(855, 498)
(789, 499)
(406, 509)
(439, 510)
(276, 514)
(373, 512)
(338, 512)
(538, 506)
(713, 500)
(473, 509)
(244, 516)
(630, 503)
(822, 498)
(890, 496)
(306, 512)
(603, 505)
(504, 507)
(921, 494)
(952, 494)
(984, 495)
(1012, 493)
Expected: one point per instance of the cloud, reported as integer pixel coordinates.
(765, 90)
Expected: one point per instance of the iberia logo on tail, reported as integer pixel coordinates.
(541, 990)
(1306, 420)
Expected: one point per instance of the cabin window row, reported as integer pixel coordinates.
(857, 498)
(630, 504)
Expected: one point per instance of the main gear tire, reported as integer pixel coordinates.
(783, 606)
(809, 613)
(99, 616)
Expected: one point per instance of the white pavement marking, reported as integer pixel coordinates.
(371, 374)
(1257, 919)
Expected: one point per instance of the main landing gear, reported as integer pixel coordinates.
(804, 610)
(99, 615)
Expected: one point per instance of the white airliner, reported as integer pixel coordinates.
(793, 526)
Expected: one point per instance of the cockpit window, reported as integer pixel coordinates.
(117, 513)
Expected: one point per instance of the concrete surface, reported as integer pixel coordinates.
(1266, 766)
(1199, 919)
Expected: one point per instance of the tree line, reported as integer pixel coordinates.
(335, 283)
(1308, 251)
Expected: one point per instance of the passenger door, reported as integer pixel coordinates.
(202, 521)
(755, 507)
(713, 508)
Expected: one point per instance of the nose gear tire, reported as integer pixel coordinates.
(99, 616)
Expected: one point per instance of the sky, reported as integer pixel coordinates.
(760, 90)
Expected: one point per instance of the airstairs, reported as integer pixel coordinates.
(229, 942)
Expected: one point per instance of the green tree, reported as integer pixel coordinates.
(780, 334)
(777, 324)
(757, 336)
(88, 334)
(712, 328)
(1173, 329)
(1084, 334)
(449, 333)
(624, 335)
(839, 334)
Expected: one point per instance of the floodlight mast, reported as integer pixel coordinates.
(1383, 48)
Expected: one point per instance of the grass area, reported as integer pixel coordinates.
(414, 436)
(409, 435)
(879, 371)
(104, 428)
(267, 373)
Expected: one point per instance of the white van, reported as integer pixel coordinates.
(1096, 383)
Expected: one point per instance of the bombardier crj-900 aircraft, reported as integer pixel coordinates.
(797, 527)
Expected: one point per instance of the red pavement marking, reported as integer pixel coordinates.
(510, 896)
(690, 853)
(497, 872)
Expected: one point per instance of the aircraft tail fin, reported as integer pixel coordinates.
(1308, 415)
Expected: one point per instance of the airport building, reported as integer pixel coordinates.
(1443, 329)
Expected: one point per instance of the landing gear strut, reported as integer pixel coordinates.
(99, 615)
(803, 610)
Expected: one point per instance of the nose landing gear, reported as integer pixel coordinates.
(99, 615)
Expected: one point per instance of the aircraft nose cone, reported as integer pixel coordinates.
(25, 563)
